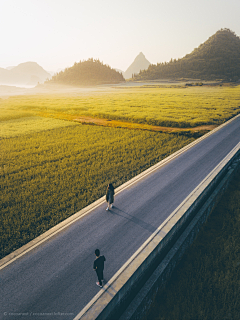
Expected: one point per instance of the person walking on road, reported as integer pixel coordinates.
(98, 266)
(110, 196)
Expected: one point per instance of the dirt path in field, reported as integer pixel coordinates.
(130, 125)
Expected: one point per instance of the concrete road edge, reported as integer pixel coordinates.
(103, 304)
(67, 222)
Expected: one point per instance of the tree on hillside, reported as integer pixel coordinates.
(217, 58)
(90, 72)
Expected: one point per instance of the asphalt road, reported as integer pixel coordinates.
(56, 280)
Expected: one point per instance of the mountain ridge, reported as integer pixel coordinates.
(218, 58)
(26, 73)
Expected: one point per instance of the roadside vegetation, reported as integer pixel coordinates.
(170, 107)
(205, 285)
(52, 166)
(47, 176)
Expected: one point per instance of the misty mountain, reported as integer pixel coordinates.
(52, 73)
(28, 73)
(87, 73)
(119, 70)
(216, 59)
(139, 63)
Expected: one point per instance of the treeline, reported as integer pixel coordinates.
(216, 59)
(90, 72)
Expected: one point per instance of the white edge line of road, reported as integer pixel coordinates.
(199, 189)
(4, 262)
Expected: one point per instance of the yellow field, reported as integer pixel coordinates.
(47, 176)
(174, 107)
(52, 166)
(27, 125)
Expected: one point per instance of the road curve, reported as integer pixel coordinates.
(56, 280)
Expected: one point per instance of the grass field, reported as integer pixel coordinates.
(206, 283)
(51, 166)
(27, 125)
(49, 175)
(174, 107)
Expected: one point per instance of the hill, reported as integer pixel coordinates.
(217, 58)
(90, 72)
(28, 73)
(139, 63)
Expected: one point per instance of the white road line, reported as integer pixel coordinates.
(69, 221)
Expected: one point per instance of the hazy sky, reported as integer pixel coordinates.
(57, 33)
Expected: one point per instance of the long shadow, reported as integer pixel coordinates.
(133, 219)
(107, 287)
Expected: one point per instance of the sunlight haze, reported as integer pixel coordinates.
(57, 33)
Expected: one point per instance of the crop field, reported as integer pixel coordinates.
(49, 175)
(27, 125)
(52, 166)
(172, 107)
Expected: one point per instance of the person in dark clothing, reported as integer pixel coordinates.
(110, 196)
(98, 266)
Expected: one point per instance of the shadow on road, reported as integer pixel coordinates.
(141, 223)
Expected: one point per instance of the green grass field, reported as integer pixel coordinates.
(206, 283)
(49, 175)
(28, 125)
(51, 166)
(174, 107)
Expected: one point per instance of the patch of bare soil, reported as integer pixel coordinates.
(130, 125)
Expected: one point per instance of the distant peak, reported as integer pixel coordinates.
(217, 58)
(139, 63)
(28, 63)
(141, 55)
(225, 30)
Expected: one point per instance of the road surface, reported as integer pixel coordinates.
(56, 280)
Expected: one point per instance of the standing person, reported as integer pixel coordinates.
(98, 266)
(110, 196)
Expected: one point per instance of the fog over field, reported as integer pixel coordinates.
(7, 91)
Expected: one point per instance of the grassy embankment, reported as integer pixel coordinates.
(51, 168)
(206, 283)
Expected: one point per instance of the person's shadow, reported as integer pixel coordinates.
(125, 215)
(107, 287)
